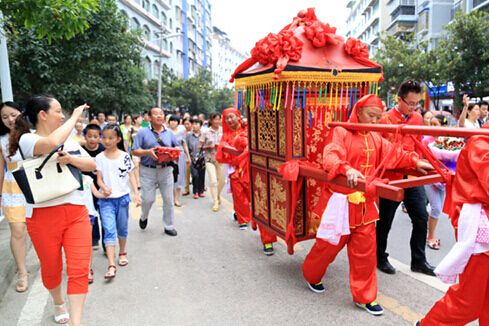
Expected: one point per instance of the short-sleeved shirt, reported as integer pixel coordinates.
(115, 173)
(146, 139)
(193, 143)
(76, 197)
(211, 138)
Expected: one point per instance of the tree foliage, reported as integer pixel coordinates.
(462, 57)
(465, 54)
(52, 19)
(195, 95)
(101, 66)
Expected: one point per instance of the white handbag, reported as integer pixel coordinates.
(43, 178)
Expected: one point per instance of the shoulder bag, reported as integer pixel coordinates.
(43, 178)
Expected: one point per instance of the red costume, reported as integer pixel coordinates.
(395, 117)
(239, 179)
(468, 300)
(362, 151)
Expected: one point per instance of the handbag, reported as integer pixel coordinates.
(43, 178)
(198, 161)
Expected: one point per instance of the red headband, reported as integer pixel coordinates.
(366, 101)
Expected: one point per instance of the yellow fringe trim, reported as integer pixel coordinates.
(308, 76)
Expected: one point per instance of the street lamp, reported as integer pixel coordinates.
(160, 62)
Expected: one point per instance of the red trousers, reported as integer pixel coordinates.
(242, 208)
(361, 245)
(466, 301)
(62, 227)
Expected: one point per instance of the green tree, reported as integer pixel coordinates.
(101, 66)
(52, 19)
(222, 98)
(465, 54)
(404, 59)
(195, 95)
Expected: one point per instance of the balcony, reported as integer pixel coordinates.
(164, 4)
(400, 26)
(155, 48)
(145, 14)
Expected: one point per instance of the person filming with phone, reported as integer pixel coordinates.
(62, 222)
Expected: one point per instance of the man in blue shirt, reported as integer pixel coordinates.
(152, 173)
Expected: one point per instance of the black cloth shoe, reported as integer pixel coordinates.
(424, 268)
(268, 249)
(317, 288)
(143, 223)
(172, 233)
(372, 308)
(386, 267)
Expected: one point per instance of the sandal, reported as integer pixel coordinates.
(110, 275)
(22, 283)
(123, 259)
(90, 276)
(433, 244)
(63, 317)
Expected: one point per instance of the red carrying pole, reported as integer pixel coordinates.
(411, 130)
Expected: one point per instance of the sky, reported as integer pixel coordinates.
(248, 21)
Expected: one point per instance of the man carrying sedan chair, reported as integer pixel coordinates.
(349, 216)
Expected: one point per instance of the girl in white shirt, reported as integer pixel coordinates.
(114, 174)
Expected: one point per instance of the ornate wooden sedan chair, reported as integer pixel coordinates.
(297, 85)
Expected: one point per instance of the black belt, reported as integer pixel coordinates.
(162, 165)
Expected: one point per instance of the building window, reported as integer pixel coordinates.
(163, 18)
(147, 67)
(146, 5)
(155, 12)
(147, 33)
(156, 68)
(135, 23)
(171, 47)
(165, 44)
(171, 23)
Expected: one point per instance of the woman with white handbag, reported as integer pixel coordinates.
(61, 222)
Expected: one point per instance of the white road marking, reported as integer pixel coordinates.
(33, 310)
(432, 281)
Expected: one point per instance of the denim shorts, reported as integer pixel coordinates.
(115, 214)
(436, 197)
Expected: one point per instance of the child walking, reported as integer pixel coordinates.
(114, 173)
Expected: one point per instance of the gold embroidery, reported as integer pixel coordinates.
(297, 132)
(260, 160)
(252, 130)
(260, 197)
(299, 217)
(281, 132)
(267, 130)
(274, 164)
(278, 204)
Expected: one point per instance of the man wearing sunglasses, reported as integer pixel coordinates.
(408, 95)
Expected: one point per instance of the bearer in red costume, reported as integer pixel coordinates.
(235, 134)
(356, 155)
(469, 299)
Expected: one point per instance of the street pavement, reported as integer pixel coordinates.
(212, 273)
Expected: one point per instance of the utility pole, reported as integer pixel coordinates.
(5, 82)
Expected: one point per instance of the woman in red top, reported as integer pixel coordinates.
(356, 155)
(235, 134)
